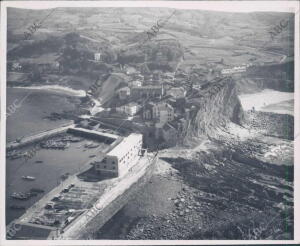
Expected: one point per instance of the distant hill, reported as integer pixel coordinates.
(208, 34)
(189, 38)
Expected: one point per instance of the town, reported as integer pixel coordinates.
(157, 101)
(149, 123)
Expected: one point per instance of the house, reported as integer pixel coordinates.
(148, 111)
(122, 157)
(169, 75)
(130, 70)
(148, 91)
(130, 109)
(177, 92)
(97, 56)
(138, 76)
(163, 112)
(135, 83)
(237, 69)
(124, 93)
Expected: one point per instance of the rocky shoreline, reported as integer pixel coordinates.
(227, 185)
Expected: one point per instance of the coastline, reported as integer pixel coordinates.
(56, 89)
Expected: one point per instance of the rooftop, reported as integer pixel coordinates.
(122, 148)
(147, 87)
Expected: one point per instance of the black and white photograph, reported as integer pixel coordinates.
(138, 120)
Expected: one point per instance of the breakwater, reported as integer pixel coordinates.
(102, 136)
(38, 137)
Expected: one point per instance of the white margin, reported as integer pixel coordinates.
(230, 6)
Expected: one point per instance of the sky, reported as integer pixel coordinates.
(227, 6)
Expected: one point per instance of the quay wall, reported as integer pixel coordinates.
(127, 125)
(104, 137)
(38, 137)
(89, 229)
(114, 123)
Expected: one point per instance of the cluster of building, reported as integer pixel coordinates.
(237, 69)
(155, 100)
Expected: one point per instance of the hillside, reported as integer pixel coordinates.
(206, 35)
(107, 90)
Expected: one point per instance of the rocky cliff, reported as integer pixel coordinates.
(214, 107)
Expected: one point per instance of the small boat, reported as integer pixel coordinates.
(17, 207)
(14, 155)
(65, 190)
(91, 145)
(55, 145)
(92, 156)
(38, 161)
(31, 178)
(37, 190)
(55, 199)
(20, 196)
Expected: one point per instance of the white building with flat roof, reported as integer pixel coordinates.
(122, 157)
(130, 109)
(97, 56)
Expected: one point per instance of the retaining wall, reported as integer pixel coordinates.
(91, 227)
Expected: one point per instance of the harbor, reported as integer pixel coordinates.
(61, 207)
(48, 166)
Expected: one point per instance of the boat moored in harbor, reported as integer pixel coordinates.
(20, 196)
(31, 178)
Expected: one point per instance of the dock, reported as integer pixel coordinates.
(38, 137)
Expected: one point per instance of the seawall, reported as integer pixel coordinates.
(92, 134)
(85, 226)
(38, 137)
